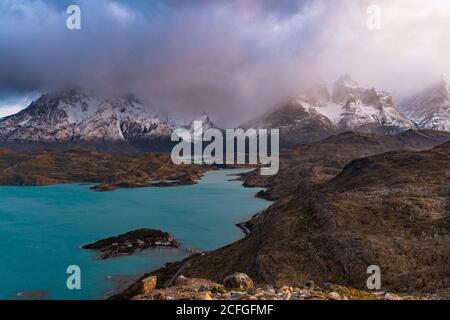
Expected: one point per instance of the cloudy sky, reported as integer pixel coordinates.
(231, 58)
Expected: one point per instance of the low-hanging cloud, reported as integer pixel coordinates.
(230, 58)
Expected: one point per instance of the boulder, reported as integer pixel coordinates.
(334, 296)
(148, 284)
(206, 295)
(238, 281)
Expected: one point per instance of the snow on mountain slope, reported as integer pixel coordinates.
(298, 122)
(316, 114)
(368, 110)
(430, 109)
(373, 111)
(74, 116)
(78, 116)
(194, 129)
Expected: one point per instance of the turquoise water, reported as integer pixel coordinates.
(42, 229)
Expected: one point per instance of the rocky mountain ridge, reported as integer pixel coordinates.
(317, 114)
(77, 116)
(430, 108)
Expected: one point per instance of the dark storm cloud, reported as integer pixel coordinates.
(231, 58)
(188, 55)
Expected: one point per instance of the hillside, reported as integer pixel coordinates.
(331, 230)
(108, 171)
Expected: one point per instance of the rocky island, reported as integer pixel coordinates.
(132, 242)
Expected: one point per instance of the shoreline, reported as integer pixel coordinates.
(244, 226)
(225, 176)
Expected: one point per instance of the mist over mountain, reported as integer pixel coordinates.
(316, 114)
(430, 108)
(233, 59)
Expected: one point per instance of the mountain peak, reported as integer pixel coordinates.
(75, 115)
(344, 88)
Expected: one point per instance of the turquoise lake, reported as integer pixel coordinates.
(43, 228)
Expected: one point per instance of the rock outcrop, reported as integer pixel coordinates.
(238, 281)
(132, 242)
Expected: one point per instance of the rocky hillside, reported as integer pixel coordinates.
(316, 114)
(430, 108)
(326, 158)
(328, 225)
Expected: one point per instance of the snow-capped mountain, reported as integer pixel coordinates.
(430, 109)
(194, 130)
(79, 117)
(317, 114)
(297, 121)
(367, 110)
(76, 116)
(206, 124)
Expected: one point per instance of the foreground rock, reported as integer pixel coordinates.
(149, 284)
(238, 281)
(185, 288)
(132, 242)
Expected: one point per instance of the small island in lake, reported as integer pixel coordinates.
(132, 242)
